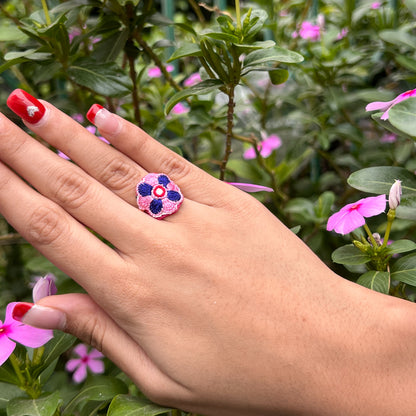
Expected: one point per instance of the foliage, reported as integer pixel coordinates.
(257, 76)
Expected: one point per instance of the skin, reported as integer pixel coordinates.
(218, 309)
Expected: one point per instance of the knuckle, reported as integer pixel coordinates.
(119, 175)
(45, 226)
(176, 167)
(71, 189)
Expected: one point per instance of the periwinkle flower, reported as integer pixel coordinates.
(387, 105)
(251, 187)
(12, 331)
(87, 360)
(193, 79)
(265, 147)
(352, 216)
(156, 72)
(308, 31)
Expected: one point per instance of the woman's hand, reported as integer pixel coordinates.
(217, 309)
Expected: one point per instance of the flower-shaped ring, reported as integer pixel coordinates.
(158, 195)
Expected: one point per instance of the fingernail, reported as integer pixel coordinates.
(39, 316)
(25, 106)
(105, 121)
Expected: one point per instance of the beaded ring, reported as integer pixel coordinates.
(158, 196)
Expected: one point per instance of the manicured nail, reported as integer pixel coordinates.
(25, 106)
(39, 316)
(105, 121)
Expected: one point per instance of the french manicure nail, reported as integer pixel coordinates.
(26, 106)
(104, 120)
(39, 316)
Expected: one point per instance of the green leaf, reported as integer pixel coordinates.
(97, 388)
(404, 269)
(278, 76)
(8, 392)
(257, 20)
(349, 254)
(379, 179)
(324, 204)
(106, 79)
(247, 48)
(43, 406)
(186, 49)
(203, 87)
(398, 38)
(375, 280)
(407, 62)
(28, 54)
(123, 405)
(271, 55)
(401, 246)
(403, 116)
(226, 37)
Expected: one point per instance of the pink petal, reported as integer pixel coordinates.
(96, 366)
(273, 142)
(144, 202)
(93, 354)
(378, 105)
(249, 153)
(251, 187)
(81, 350)
(7, 346)
(72, 364)
(349, 222)
(80, 374)
(371, 206)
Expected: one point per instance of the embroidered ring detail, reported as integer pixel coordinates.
(158, 196)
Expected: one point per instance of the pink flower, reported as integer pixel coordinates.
(87, 360)
(351, 216)
(45, 286)
(251, 187)
(388, 138)
(192, 80)
(376, 5)
(155, 71)
(180, 109)
(78, 117)
(387, 105)
(12, 330)
(342, 34)
(265, 147)
(308, 31)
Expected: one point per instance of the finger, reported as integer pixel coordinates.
(80, 316)
(66, 184)
(154, 157)
(110, 167)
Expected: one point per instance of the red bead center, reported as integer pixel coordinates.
(159, 191)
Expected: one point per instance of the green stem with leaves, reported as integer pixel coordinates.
(390, 218)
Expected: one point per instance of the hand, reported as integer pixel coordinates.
(217, 309)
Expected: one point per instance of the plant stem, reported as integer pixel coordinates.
(390, 218)
(149, 52)
(229, 133)
(135, 93)
(46, 11)
(370, 235)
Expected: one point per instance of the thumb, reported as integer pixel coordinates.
(79, 315)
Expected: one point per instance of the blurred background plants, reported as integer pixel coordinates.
(266, 92)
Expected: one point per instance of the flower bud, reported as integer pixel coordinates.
(395, 194)
(45, 286)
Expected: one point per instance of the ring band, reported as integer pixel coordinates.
(158, 196)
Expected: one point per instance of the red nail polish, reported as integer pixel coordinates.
(92, 112)
(20, 310)
(26, 106)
